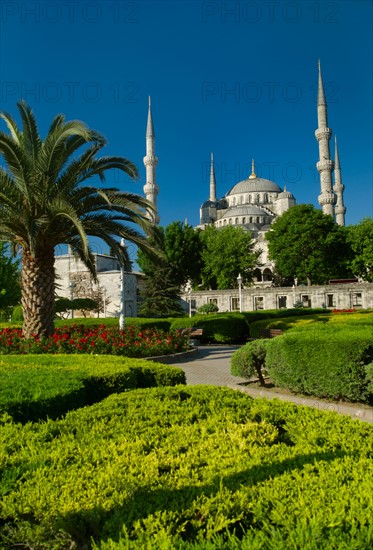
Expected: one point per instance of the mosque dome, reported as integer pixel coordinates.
(254, 185)
(244, 210)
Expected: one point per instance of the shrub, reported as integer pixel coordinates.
(323, 361)
(34, 387)
(222, 328)
(249, 360)
(17, 314)
(187, 468)
(208, 308)
(161, 324)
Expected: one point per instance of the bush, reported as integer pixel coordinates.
(187, 468)
(92, 322)
(34, 387)
(222, 328)
(323, 361)
(208, 308)
(249, 360)
(17, 315)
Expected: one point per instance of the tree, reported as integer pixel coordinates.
(160, 296)
(181, 246)
(308, 245)
(43, 204)
(360, 238)
(10, 289)
(227, 252)
(183, 250)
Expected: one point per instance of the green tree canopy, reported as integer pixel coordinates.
(309, 245)
(181, 246)
(360, 238)
(43, 204)
(227, 252)
(10, 288)
(160, 297)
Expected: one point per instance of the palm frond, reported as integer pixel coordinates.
(31, 138)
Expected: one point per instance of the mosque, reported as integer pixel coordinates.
(255, 202)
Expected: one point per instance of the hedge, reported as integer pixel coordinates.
(249, 360)
(34, 386)
(323, 361)
(162, 324)
(187, 467)
(221, 328)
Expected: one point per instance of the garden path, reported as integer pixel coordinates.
(211, 365)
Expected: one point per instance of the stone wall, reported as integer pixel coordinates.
(336, 296)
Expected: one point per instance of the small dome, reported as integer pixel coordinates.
(254, 185)
(285, 195)
(244, 210)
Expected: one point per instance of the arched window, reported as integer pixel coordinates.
(257, 219)
(267, 274)
(236, 222)
(225, 222)
(249, 199)
(243, 220)
(251, 220)
(257, 198)
(257, 275)
(265, 198)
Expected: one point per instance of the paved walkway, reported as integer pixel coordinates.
(211, 365)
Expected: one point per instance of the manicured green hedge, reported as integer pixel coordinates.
(324, 361)
(163, 324)
(221, 328)
(187, 467)
(35, 386)
(286, 322)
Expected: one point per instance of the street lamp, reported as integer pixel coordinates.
(239, 281)
(190, 301)
(121, 314)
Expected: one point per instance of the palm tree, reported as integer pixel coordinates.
(43, 204)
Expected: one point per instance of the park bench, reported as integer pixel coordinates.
(192, 332)
(271, 332)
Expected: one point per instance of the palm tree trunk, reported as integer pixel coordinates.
(38, 293)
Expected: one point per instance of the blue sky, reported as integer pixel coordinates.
(235, 78)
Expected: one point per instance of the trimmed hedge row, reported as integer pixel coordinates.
(323, 361)
(187, 468)
(34, 386)
(287, 322)
(223, 328)
(162, 324)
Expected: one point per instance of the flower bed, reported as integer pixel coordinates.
(100, 339)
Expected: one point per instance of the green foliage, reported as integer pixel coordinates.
(227, 252)
(222, 328)
(161, 324)
(160, 297)
(250, 360)
(17, 314)
(208, 308)
(309, 245)
(183, 248)
(187, 468)
(34, 387)
(360, 238)
(324, 361)
(10, 289)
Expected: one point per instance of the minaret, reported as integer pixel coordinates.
(212, 181)
(325, 164)
(340, 209)
(150, 161)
